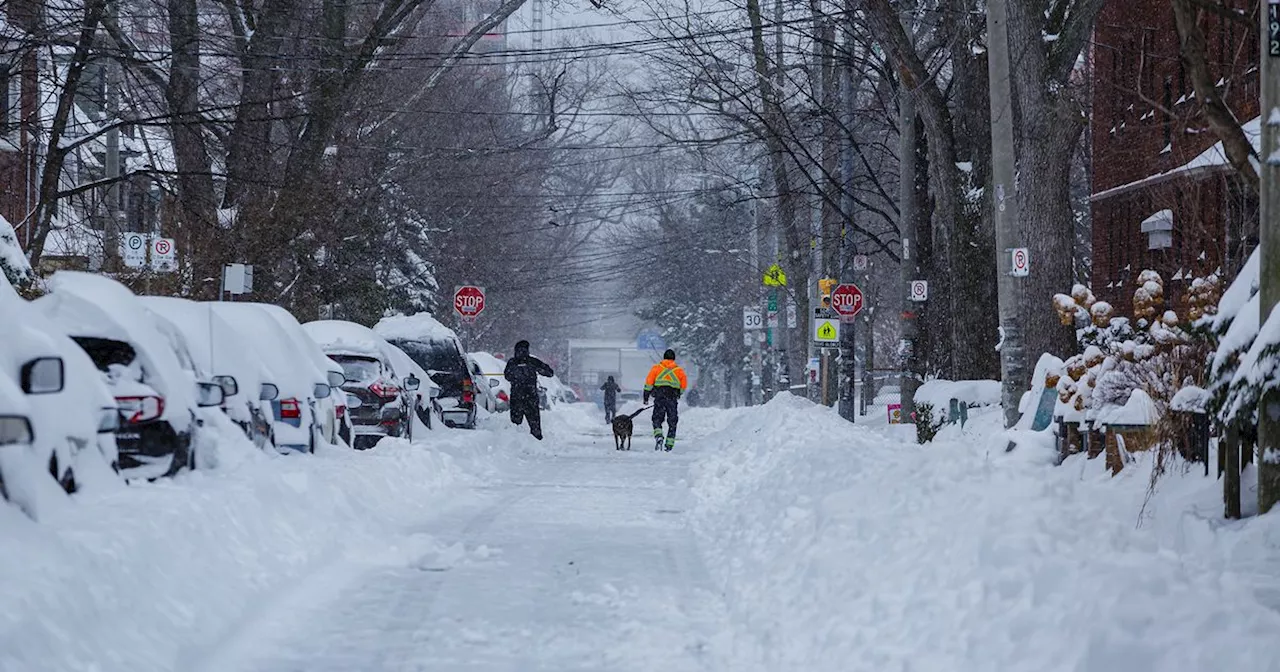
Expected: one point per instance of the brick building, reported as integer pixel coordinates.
(1164, 196)
(18, 101)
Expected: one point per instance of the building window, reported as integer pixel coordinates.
(1168, 115)
(10, 97)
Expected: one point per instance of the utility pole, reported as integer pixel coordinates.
(1269, 241)
(1014, 378)
(909, 166)
(848, 246)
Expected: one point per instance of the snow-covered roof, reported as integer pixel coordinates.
(1210, 160)
(85, 304)
(489, 364)
(339, 337)
(421, 326)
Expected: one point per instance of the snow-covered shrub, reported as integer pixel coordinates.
(1246, 358)
(1154, 351)
(927, 425)
(13, 263)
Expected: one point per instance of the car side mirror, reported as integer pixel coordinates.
(322, 391)
(353, 401)
(230, 387)
(493, 382)
(335, 379)
(43, 375)
(209, 394)
(268, 392)
(412, 383)
(15, 429)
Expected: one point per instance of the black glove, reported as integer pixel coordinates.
(646, 396)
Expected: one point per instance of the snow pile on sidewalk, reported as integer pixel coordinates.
(840, 549)
(156, 576)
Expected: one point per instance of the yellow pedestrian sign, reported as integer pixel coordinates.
(826, 331)
(774, 277)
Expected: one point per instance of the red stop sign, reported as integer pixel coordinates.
(847, 300)
(468, 300)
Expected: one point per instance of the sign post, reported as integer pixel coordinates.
(133, 249)
(826, 331)
(919, 290)
(847, 301)
(164, 259)
(1021, 262)
(468, 301)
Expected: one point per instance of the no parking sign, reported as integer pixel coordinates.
(1021, 262)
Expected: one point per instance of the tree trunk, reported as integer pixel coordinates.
(1047, 124)
(198, 219)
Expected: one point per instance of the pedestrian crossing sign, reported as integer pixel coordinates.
(826, 331)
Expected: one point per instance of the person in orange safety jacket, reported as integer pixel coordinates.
(665, 383)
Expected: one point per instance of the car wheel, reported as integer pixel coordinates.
(183, 456)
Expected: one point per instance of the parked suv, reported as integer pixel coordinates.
(438, 351)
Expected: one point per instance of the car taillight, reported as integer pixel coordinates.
(140, 409)
(468, 396)
(502, 396)
(385, 391)
(341, 412)
(290, 409)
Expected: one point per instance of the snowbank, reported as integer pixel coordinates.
(839, 549)
(154, 577)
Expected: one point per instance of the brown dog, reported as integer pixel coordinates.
(622, 429)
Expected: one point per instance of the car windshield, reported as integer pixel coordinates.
(433, 355)
(360, 369)
(104, 352)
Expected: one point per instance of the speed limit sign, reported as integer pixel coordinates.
(751, 318)
(1021, 262)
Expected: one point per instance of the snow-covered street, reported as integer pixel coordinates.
(773, 538)
(573, 559)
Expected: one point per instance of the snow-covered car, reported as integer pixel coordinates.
(71, 411)
(438, 351)
(380, 402)
(297, 427)
(330, 408)
(488, 371)
(428, 391)
(157, 393)
(16, 433)
(229, 359)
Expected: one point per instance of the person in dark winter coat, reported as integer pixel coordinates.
(665, 383)
(522, 372)
(611, 390)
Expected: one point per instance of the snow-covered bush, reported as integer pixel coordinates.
(1245, 358)
(1153, 351)
(13, 263)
